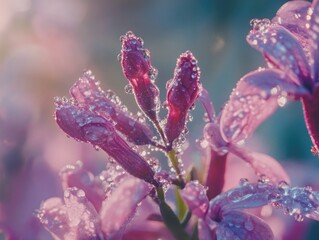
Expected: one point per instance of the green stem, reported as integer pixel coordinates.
(172, 157)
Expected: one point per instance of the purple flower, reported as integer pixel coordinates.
(84, 125)
(290, 47)
(137, 68)
(76, 217)
(182, 91)
(223, 217)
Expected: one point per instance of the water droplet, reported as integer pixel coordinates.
(119, 57)
(299, 217)
(281, 101)
(260, 24)
(128, 89)
(80, 193)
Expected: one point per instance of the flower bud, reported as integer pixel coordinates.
(138, 70)
(83, 125)
(182, 92)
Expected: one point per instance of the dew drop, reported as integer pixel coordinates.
(281, 101)
(249, 226)
(128, 89)
(119, 57)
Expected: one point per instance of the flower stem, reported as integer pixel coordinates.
(216, 174)
(174, 161)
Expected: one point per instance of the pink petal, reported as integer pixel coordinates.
(282, 50)
(263, 165)
(82, 214)
(213, 136)
(237, 225)
(292, 15)
(76, 176)
(118, 210)
(313, 31)
(194, 195)
(254, 99)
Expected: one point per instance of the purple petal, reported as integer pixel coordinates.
(263, 165)
(248, 195)
(213, 136)
(292, 15)
(313, 31)
(194, 195)
(256, 96)
(87, 92)
(120, 207)
(76, 176)
(237, 225)
(282, 50)
(82, 214)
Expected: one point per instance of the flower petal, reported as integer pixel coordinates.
(207, 103)
(237, 225)
(82, 214)
(263, 165)
(119, 208)
(282, 50)
(194, 195)
(254, 99)
(204, 232)
(292, 15)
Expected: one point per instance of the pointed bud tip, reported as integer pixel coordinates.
(186, 67)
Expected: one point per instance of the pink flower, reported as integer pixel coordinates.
(137, 68)
(182, 91)
(290, 47)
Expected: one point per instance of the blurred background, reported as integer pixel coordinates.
(46, 44)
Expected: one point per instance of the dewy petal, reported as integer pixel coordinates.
(76, 176)
(119, 208)
(247, 195)
(86, 91)
(263, 165)
(53, 216)
(292, 15)
(313, 31)
(194, 195)
(282, 50)
(82, 215)
(237, 225)
(254, 99)
(84, 125)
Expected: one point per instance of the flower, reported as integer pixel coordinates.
(138, 70)
(290, 47)
(182, 91)
(84, 125)
(76, 216)
(224, 217)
